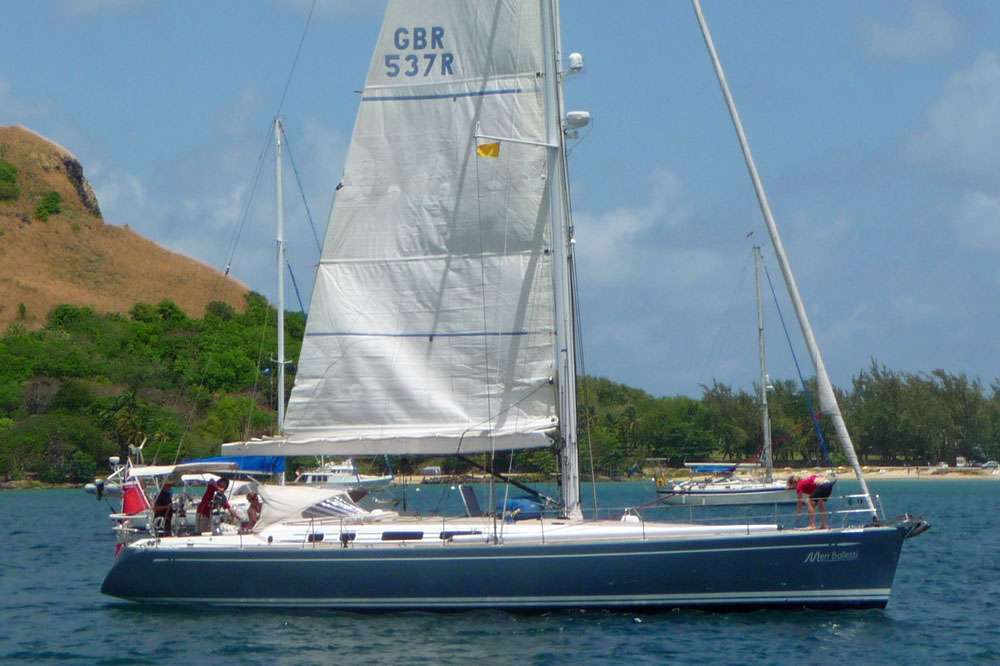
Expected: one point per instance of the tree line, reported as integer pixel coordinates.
(895, 418)
(89, 385)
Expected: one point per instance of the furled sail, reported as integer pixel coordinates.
(431, 326)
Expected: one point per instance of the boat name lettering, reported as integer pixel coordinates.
(831, 556)
(418, 39)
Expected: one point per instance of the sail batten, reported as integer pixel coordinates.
(431, 327)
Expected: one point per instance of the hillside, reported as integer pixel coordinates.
(73, 256)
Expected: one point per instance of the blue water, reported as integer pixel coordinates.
(55, 547)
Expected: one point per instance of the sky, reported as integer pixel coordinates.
(875, 126)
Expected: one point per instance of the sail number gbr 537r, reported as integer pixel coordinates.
(421, 53)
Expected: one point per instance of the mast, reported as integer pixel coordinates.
(764, 416)
(559, 210)
(827, 399)
(280, 242)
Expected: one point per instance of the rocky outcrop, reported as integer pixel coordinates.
(74, 170)
(72, 256)
(51, 157)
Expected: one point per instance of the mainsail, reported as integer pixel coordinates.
(431, 326)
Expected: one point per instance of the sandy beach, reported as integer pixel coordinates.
(872, 473)
(904, 473)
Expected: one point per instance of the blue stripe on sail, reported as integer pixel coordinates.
(470, 334)
(481, 93)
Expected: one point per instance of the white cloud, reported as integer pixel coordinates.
(927, 30)
(616, 246)
(646, 277)
(961, 133)
(977, 222)
(333, 7)
(121, 192)
(19, 110)
(195, 205)
(92, 7)
(919, 305)
(239, 120)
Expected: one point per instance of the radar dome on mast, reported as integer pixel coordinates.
(575, 63)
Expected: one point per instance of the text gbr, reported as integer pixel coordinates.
(414, 64)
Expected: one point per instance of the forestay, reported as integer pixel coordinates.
(431, 326)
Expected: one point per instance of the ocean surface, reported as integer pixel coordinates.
(56, 546)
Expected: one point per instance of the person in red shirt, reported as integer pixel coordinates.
(203, 520)
(817, 490)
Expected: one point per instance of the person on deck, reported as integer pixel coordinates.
(253, 510)
(203, 521)
(817, 490)
(163, 506)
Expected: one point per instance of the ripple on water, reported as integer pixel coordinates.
(943, 605)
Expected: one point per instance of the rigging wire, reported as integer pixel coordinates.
(288, 81)
(305, 204)
(722, 334)
(578, 326)
(234, 242)
(486, 341)
(230, 257)
(295, 285)
(250, 197)
(798, 369)
(579, 139)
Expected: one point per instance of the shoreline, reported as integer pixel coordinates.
(647, 476)
(650, 475)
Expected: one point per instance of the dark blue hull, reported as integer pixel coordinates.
(828, 569)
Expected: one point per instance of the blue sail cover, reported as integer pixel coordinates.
(711, 468)
(255, 464)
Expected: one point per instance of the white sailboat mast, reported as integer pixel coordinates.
(764, 415)
(280, 242)
(559, 209)
(827, 399)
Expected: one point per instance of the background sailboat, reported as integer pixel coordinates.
(726, 484)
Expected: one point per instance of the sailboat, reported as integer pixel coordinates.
(726, 485)
(442, 322)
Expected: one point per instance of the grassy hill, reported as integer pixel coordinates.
(55, 247)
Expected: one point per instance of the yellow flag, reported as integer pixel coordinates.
(489, 149)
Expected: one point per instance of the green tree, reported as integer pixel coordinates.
(51, 204)
(143, 312)
(43, 446)
(169, 311)
(8, 176)
(8, 172)
(82, 467)
(220, 309)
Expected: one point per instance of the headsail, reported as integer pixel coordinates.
(431, 326)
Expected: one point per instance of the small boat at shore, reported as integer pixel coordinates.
(344, 475)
